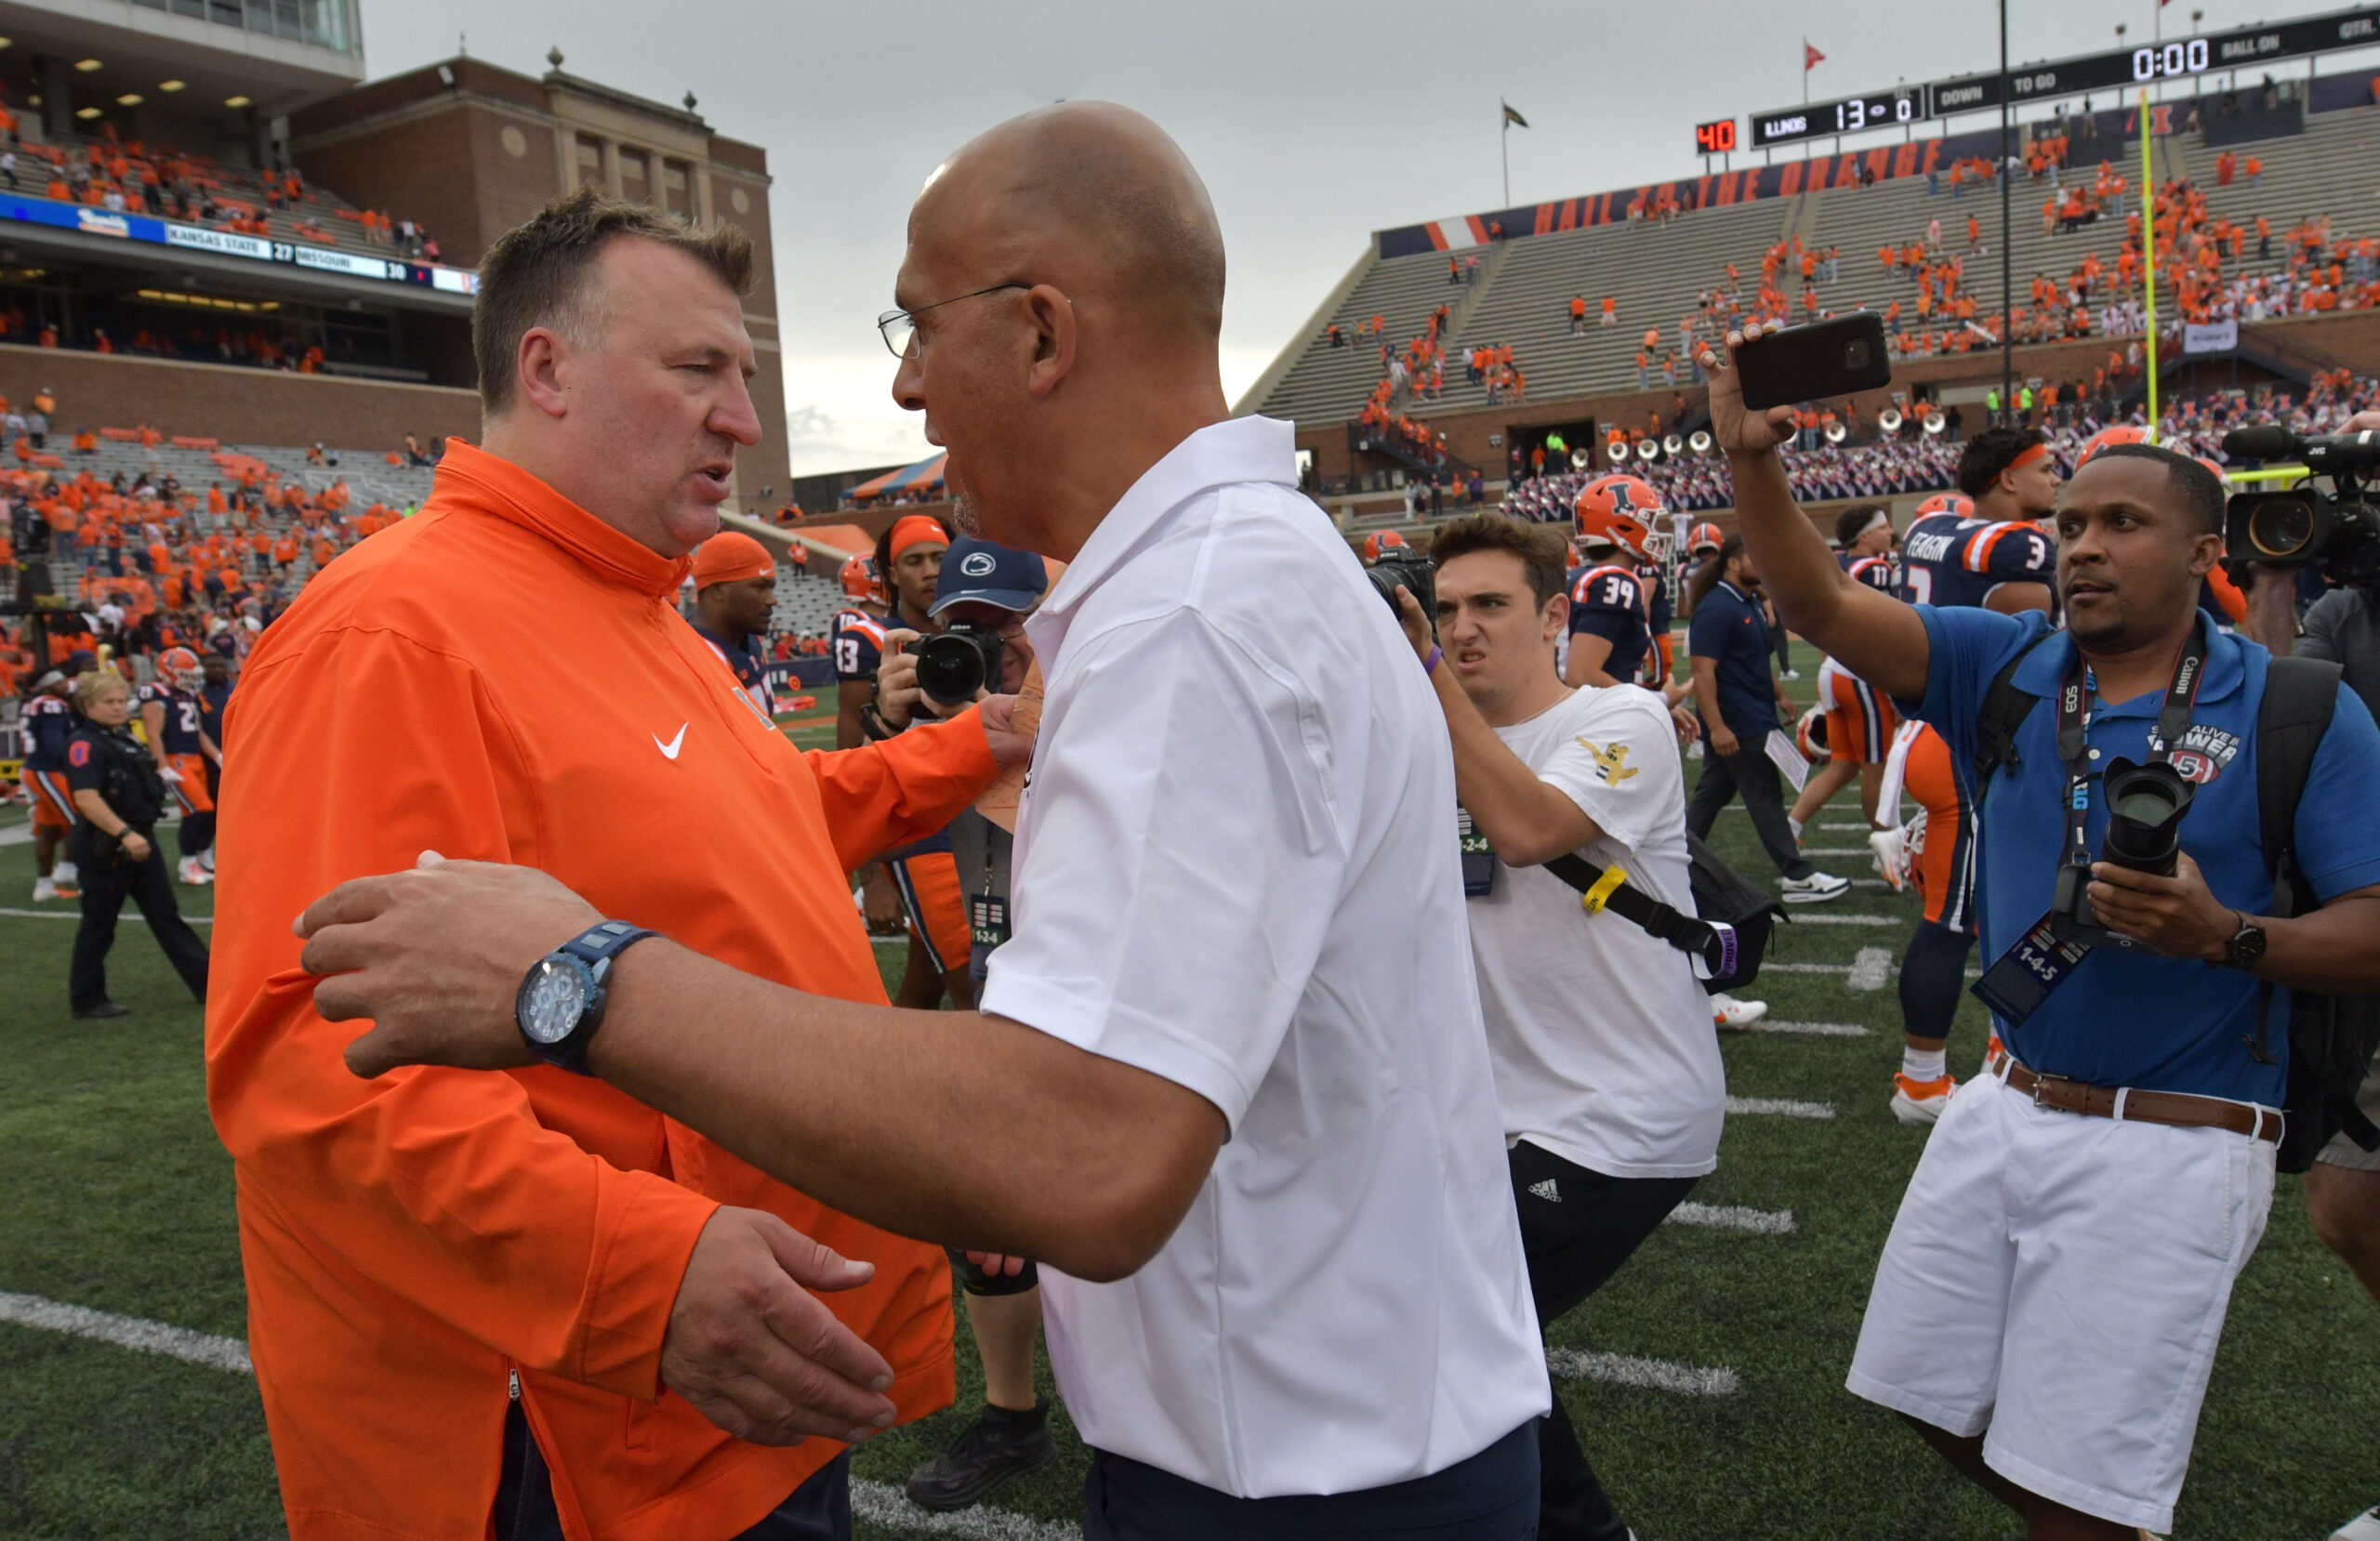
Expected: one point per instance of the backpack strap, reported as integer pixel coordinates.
(2004, 710)
(2300, 695)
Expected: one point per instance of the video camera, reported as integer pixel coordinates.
(1406, 568)
(2337, 531)
(955, 663)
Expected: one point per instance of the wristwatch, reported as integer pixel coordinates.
(2247, 947)
(560, 1004)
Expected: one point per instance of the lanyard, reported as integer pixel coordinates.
(2074, 716)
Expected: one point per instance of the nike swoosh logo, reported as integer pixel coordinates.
(669, 750)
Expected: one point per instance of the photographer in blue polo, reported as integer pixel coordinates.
(2047, 1306)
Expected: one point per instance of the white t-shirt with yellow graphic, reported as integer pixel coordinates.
(1601, 1038)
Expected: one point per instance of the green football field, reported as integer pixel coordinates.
(1707, 1379)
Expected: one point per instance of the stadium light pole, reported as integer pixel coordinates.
(2007, 236)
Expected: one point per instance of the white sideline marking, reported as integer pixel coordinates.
(1650, 1375)
(879, 1503)
(1845, 829)
(1733, 1217)
(1846, 919)
(129, 913)
(1805, 968)
(882, 1504)
(128, 1332)
(1815, 1030)
(1869, 969)
(1783, 1107)
(1838, 850)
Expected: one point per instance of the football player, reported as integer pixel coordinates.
(1860, 722)
(856, 642)
(171, 718)
(1611, 631)
(49, 721)
(1380, 541)
(1985, 547)
(735, 592)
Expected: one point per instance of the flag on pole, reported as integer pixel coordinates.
(1810, 56)
(1512, 116)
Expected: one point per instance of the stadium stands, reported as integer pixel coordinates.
(1657, 270)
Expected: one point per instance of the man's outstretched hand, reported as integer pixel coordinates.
(1736, 429)
(435, 958)
(755, 1352)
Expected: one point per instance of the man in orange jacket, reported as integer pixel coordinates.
(528, 1305)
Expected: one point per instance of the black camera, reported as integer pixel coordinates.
(955, 663)
(1412, 572)
(2336, 532)
(2146, 806)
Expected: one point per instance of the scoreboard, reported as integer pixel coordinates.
(2182, 58)
(1850, 116)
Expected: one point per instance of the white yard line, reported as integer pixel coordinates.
(1806, 918)
(879, 1503)
(128, 1332)
(1837, 850)
(1781, 1107)
(1733, 1217)
(1813, 1029)
(129, 913)
(1651, 1374)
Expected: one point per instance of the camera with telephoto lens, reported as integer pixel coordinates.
(2337, 531)
(1412, 572)
(2146, 806)
(955, 663)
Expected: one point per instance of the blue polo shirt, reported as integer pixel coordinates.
(2127, 1017)
(1729, 629)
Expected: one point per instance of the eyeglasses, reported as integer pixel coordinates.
(899, 328)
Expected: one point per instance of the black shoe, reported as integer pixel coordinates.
(1000, 1444)
(104, 1008)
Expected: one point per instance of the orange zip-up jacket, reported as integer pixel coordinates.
(505, 678)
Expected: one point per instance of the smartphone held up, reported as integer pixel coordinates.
(1834, 357)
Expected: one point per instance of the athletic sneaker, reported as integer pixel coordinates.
(1892, 857)
(999, 1445)
(2363, 1527)
(1727, 1011)
(1921, 1102)
(66, 878)
(1693, 750)
(1793, 674)
(1816, 889)
(193, 875)
(44, 890)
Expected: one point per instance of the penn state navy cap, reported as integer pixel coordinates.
(983, 572)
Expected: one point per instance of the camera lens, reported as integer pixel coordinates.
(2145, 804)
(951, 667)
(1855, 353)
(2282, 527)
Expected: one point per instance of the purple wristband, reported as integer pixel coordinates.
(1430, 665)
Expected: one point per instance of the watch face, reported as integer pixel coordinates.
(553, 1001)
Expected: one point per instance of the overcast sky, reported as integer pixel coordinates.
(1314, 122)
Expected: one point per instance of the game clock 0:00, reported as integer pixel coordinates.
(1714, 138)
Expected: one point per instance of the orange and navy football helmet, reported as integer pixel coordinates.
(1704, 540)
(1381, 541)
(1947, 502)
(1623, 511)
(860, 580)
(2122, 433)
(180, 667)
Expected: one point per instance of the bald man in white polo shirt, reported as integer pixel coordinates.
(1233, 1055)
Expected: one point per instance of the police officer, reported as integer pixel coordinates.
(118, 798)
(987, 584)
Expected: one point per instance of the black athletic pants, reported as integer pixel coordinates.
(107, 883)
(820, 1510)
(1577, 1228)
(1932, 977)
(1751, 772)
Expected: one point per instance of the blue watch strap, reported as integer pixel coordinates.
(600, 943)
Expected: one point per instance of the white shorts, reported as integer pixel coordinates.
(2057, 1284)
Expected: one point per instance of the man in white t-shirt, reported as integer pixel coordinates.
(1607, 1071)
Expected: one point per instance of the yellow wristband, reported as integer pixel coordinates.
(1605, 887)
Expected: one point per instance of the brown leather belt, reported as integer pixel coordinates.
(2140, 1106)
